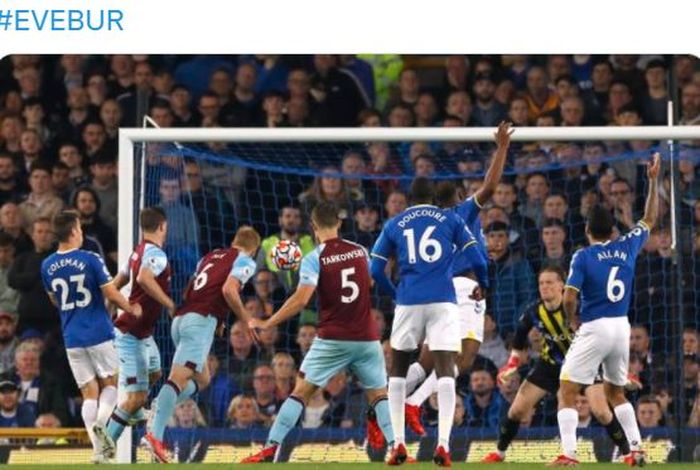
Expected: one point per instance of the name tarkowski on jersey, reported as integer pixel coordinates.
(359, 253)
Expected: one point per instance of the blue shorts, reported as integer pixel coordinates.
(327, 357)
(192, 334)
(137, 359)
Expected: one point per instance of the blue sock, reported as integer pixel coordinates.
(116, 423)
(188, 392)
(165, 408)
(286, 419)
(381, 409)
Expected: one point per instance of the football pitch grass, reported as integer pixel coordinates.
(353, 466)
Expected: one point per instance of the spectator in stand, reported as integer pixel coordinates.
(273, 110)
(690, 340)
(9, 298)
(493, 347)
(213, 210)
(396, 203)
(649, 414)
(243, 107)
(619, 95)
(690, 105)
(103, 168)
(94, 138)
(285, 372)
(536, 191)
(39, 391)
(87, 203)
(566, 87)
(32, 150)
(181, 105)
(328, 188)
(337, 91)
(382, 163)
(11, 224)
(518, 112)
(572, 111)
(11, 190)
(35, 309)
(264, 392)
(290, 222)
(221, 85)
(267, 292)
(556, 206)
(483, 403)
(143, 92)
(243, 355)
(13, 414)
(400, 115)
(188, 447)
(111, 117)
(487, 111)
(218, 395)
(8, 340)
(268, 342)
(408, 92)
(511, 273)
(360, 190)
(540, 99)
(10, 135)
(41, 201)
(622, 202)
(691, 377)
(655, 99)
(305, 336)
(61, 181)
(366, 228)
(315, 410)
(459, 105)
(585, 417)
(69, 154)
(554, 252)
(426, 110)
(243, 413)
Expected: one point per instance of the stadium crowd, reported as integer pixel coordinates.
(59, 120)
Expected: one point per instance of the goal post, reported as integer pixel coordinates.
(278, 162)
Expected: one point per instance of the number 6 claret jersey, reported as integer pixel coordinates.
(604, 274)
(339, 270)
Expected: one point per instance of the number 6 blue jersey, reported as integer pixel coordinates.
(604, 274)
(75, 279)
(423, 240)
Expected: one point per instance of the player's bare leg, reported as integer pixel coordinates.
(525, 400)
(601, 410)
(182, 383)
(287, 418)
(568, 421)
(625, 414)
(447, 397)
(379, 424)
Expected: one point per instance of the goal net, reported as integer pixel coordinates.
(211, 181)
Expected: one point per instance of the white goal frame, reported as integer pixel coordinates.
(130, 136)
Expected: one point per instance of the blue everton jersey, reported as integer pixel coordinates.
(604, 274)
(469, 212)
(423, 240)
(75, 279)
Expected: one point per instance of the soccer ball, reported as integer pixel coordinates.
(286, 255)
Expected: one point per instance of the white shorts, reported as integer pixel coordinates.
(437, 324)
(603, 341)
(100, 360)
(471, 312)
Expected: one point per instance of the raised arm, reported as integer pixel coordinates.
(651, 208)
(495, 171)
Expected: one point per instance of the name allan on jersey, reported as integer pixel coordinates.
(611, 254)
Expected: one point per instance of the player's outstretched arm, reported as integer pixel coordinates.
(113, 295)
(495, 171)
(378, 271)
(147, 280)
(651, 208)
(231, 292)
(570, 304)
(291, 307)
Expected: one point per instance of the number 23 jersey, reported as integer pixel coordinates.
(604, 274)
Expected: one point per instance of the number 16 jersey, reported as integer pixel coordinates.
(424, 239)
(604, 274)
